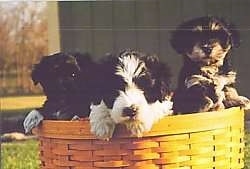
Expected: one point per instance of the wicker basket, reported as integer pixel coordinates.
(194, 141)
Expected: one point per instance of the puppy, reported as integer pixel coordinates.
(64, 79)
(135, 93)
(206, 80)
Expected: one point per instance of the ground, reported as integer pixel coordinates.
(20, 155)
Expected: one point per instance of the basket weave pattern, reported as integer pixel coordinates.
(176, 142)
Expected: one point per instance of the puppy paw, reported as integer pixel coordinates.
(207, 105)
(136, 128)
(101, 123)
(197, 80)
(247, 106)
(222, 80)
(243, 102)
(103, 129)
(218, 106)
(235, 101)
(32, 120)
(231, 77)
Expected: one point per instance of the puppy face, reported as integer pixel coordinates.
(210, 53)
(56, 73)
(129, 105)
(205, 40)
(132, 91)
(131, 99)
(133, 105)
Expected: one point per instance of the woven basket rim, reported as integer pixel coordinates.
(169, 125)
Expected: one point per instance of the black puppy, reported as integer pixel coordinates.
(61, 77)
(206, 80)
(64, 79)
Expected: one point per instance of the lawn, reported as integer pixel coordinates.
(23, 154)
(20, 155)
(21, 102)
(14, 109)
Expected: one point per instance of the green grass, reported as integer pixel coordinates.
(16, 103)
(23, 154)
(13, 110)
(20, 155)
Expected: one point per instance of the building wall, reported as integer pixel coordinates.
(100, 27)
(53, 25)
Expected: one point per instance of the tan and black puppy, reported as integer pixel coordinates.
(206, 81)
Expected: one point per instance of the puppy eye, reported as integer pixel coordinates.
(204, 44)
(73, 75)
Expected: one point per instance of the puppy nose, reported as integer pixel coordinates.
(130, 111)
(207, 50)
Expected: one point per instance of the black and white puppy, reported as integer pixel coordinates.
(134, 91)
(64, 79)
(206, 80)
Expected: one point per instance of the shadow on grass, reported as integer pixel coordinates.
(12, 120)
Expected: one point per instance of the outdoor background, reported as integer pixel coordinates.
(30, 30)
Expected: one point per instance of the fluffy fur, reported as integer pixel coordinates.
(132, 89)
(102, 125)
(206, 81)
(64, 79)
(135, 94)
(32, 120)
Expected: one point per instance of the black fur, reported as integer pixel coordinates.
(92, 82)
(187, 34)
(155, 83)
(60, 76)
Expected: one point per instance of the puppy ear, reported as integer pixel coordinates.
(182, 38)
(39, 70)
(232, 32)
(227, 66)
(175, 41)
(84, 60)
(161, 75)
